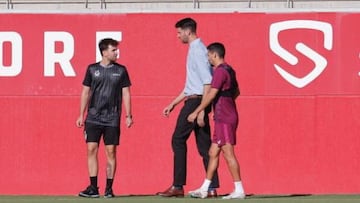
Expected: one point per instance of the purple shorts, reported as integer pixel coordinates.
(224, 133)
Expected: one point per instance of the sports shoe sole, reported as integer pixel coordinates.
(89, 196)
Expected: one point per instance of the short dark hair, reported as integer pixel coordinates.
(218, 48)
(104, 44)
(187, 23)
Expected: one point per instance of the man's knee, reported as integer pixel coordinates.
(214, 151)
(178, 144)
(111, 151)
(213, 154)
(229, 157)
(92, 148)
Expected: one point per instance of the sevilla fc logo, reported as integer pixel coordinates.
(319, 61)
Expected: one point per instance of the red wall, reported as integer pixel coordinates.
(291, 139)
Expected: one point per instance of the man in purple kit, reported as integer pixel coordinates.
(224, 89)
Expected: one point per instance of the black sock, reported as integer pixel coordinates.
(178, 187)
(93, 181)
(109, 183)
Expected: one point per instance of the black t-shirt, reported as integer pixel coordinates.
(106, 85)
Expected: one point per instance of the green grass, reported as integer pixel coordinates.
(155, 199)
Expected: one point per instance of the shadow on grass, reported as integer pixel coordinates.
(277, 196)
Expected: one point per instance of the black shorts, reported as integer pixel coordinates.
(93, 133)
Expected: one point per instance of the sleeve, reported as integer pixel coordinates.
(219, 78)
(125, 79)
(203, 67)
(87, 80)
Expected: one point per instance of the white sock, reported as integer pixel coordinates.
(238, 187)
(205, 185)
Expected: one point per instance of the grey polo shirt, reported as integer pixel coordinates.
(198, 69)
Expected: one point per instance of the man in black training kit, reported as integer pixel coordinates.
(105, 86)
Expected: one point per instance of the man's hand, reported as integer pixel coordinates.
(167, 110)
(200, 119)
(191, 118)
(129, 121)
(80, 122)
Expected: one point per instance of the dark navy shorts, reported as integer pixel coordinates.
(93, 133)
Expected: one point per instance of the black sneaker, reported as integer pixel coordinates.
(109, 193)
(91, 191)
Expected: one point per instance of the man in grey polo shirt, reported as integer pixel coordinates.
(198, 80)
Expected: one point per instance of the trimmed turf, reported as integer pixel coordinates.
(155, 199)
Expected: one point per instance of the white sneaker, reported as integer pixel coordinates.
(235, 195)
(198, 193)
